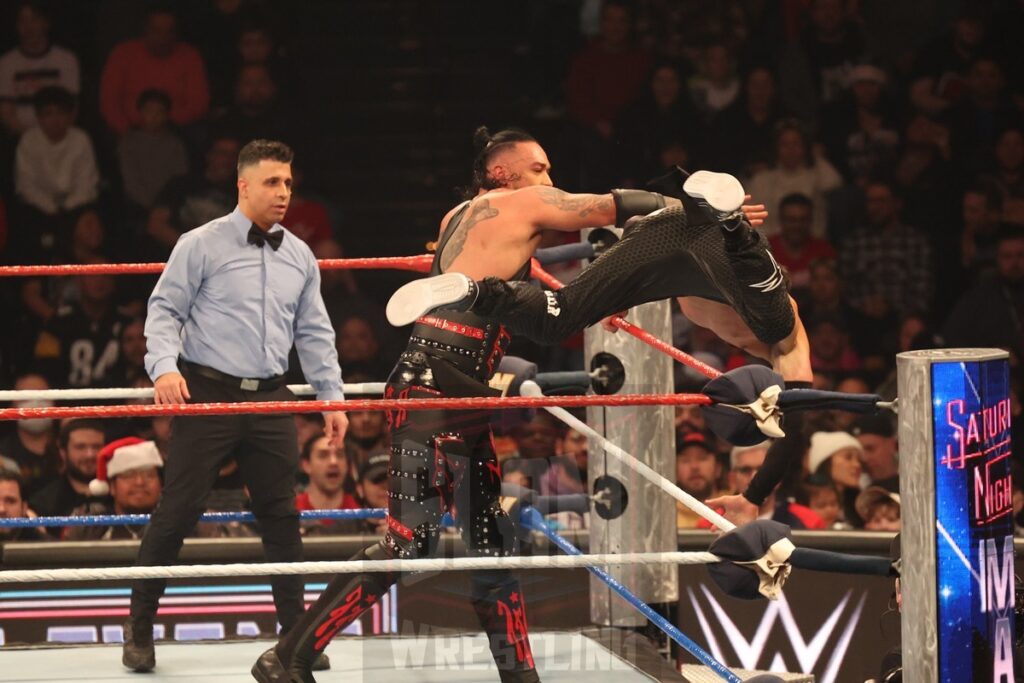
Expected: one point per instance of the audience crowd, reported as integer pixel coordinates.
(889, 153)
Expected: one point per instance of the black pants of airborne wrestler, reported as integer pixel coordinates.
(441, 461)
(662, 256)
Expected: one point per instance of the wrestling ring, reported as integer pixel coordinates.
(449, 657)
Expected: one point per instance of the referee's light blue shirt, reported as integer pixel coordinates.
(237, 307)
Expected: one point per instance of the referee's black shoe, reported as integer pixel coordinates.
(138, 653)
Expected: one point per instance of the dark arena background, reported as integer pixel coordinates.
(885, 139)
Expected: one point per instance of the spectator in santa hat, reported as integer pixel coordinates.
(836, 459)
(129, 470)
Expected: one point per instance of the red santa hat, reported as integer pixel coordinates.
(119, 456)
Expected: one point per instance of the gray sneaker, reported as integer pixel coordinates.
(451, 290)
(138, 653)
(720, 191)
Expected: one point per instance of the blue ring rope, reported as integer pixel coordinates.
(533, 520)
(138, 520)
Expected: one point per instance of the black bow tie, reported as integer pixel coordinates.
(258, 237)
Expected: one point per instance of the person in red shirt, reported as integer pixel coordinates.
(830, 342)
(307, 217)
(155, 61)
(795, 247)
(608, 74)
(330, 477)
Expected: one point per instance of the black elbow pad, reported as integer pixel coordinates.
(629, 203)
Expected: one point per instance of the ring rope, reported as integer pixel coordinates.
(138, 520)
(533, 520)
(531, 388)
(352, 567)
(399, 404)
(360, 388)
(420, 264)
(640, 333)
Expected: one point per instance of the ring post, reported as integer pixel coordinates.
(648, 523)
(957, 577)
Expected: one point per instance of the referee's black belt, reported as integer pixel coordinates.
(244, 383)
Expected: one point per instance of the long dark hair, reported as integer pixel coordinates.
(486, 146)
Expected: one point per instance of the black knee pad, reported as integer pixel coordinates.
(491, 532)
(409, 473)
(410, 544)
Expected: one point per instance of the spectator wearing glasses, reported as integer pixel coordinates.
(744, 462)
(129, 470)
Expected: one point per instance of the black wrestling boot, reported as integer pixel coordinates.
(501, 610)
(762, 294)
(138, 652)
(269, 669)
(752, 260)
(300, 651)
(322, 663)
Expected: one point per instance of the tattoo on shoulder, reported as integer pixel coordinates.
(478, 211)
(583, 204)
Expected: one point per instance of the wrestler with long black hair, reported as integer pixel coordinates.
(699, 248)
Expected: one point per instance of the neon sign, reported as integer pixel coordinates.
(974, 522)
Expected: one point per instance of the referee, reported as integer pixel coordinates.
(236, 293)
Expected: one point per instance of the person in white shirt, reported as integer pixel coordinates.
(797, 170)
(34, 64)
(55, 166)
(716, 86)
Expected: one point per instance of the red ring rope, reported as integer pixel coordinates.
(420, 264)
(635, 330)
(398, 404)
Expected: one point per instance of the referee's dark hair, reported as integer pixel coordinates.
(487, 146)
(256, 151)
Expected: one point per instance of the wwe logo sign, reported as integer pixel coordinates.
(751, 653)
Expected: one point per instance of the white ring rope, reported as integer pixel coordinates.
(531, 388)
(125, 393)
(353, 567)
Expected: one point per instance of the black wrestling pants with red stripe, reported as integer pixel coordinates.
(441, 461)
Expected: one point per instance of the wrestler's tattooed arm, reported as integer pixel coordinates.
(480, 210)
(548, 208)
(582, 204)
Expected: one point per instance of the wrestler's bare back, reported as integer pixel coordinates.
(501, 229)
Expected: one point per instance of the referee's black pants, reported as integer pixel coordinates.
(266, 451)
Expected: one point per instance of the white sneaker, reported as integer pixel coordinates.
(409, 302)
(721, 191)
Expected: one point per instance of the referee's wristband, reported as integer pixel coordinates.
(796, 384)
